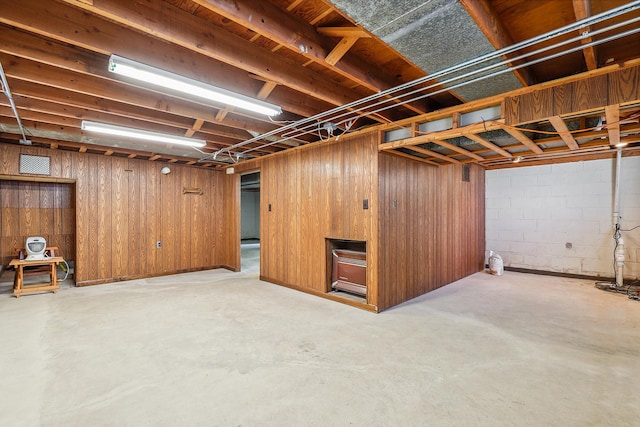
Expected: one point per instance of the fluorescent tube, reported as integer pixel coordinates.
(156, 76)
(140, 134)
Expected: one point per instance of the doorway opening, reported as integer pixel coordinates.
(250, 222)
(42, 208)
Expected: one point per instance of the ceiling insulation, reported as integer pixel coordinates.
(453, 37)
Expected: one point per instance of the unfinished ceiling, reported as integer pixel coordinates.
(434, 35)
(332, 68)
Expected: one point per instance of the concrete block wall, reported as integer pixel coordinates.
(559, 217)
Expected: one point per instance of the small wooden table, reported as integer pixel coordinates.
(19, 264)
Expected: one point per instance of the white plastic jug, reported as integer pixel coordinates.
(496, 265)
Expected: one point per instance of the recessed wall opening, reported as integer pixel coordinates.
(30, 208)
(250, 221)
(346, 263)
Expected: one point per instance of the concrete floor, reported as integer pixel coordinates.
(218, 348)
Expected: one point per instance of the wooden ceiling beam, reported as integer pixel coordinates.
(38, 117)
(294, 4)
(73, 112)
(319, 17)
(60, 54)
(343, 32)
(563, 132)
(416, 140)
(222, 113)
(341, 49)
(612, 115)
(490, 145)
(582, 10)
(197, 124)
(523, 139)
(303, 38)
(184, 29)
(445, 134)
(409, 156)
(405, 142)
(491, 25)
(68, 129)
(62, 129)
(433, 154)
(99, 38)
(25, 70)
(42, 98)
(457, 149)
(266, 89)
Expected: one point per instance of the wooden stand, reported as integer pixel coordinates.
(18, 281)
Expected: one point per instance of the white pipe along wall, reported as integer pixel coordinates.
(619, 241)
(558, 218)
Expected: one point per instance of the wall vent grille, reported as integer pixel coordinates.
(35, 165)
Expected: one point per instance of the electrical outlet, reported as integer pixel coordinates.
(159, 244)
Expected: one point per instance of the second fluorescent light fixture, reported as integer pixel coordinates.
(168, 80)
(140, 134)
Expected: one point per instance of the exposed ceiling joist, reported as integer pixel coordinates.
(343, 32)
(433, 154)
(308, 57)
(491, 25)
(197, 125)
(341, 49)
(181, 28)
(291, 32)
(582, 10)
(612, 115)
(524, 139)
(419, 159)
(563, 131)
(488, 144)
(457, 149)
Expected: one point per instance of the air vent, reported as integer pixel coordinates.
(466, 173)
(35, 165)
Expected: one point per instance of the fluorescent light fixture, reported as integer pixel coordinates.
(621, 144)
(156, 76)
(140, 134)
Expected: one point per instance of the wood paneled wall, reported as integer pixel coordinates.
(596, 92)
(312, 194)
(431, 236)
(44, 209)
(227, 233)
(431, 228)
(123, 206)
